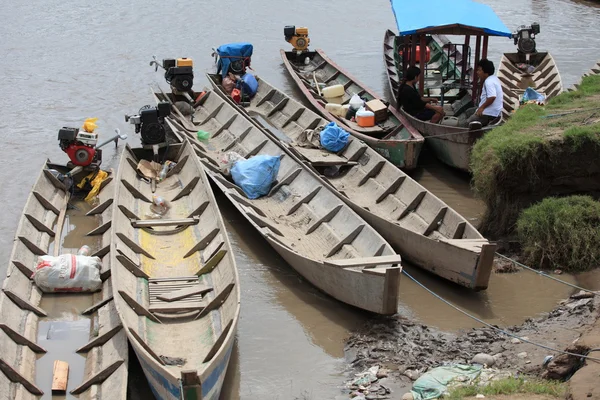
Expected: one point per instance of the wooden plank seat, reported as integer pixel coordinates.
(179, 224)
(177, 295)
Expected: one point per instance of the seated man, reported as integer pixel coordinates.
(412, 102)
(490, 103)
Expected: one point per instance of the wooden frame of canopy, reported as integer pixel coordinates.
(420, 36)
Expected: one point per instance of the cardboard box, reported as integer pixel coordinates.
(379, 109)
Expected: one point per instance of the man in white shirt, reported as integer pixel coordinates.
(490, 103)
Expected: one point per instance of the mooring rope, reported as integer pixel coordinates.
(495, 327)
(545, 274)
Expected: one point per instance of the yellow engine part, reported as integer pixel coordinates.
(300, 42)
(185, 62)
(302, 31)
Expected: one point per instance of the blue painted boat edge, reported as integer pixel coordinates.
(211, 384)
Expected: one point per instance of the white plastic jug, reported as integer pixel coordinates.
(333, 91)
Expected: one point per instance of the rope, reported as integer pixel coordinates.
(545, 274)
(495, 327)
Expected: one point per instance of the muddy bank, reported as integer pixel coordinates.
(404, 350)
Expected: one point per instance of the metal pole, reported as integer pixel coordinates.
(465, 59)
(413, 50)
(423, 63)
(485, 46)
(474, 93)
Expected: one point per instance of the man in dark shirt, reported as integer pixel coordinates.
(412, 102)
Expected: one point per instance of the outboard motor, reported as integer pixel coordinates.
(297, 37)
(149, 123)
(524, 38)
(80, 146)
(179, 74)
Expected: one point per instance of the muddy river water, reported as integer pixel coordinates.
(64, 61)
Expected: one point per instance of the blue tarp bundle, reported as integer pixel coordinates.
(230, 51)
(256, 174)
(333, 138)
(412, 16)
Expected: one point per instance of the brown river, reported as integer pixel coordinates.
(64, 61)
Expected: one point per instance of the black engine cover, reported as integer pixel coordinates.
(153, 133)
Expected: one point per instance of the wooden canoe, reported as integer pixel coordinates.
(514, 77)
(301, 218)
(420, 226)
(395, 138)
(177, 287)
(451, 144)
(40, 328)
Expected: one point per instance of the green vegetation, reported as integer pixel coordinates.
(562, 233)
(516, 163)
(510, 386)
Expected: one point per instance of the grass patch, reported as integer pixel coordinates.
(510, 386)
(536, 144)
(561, 233)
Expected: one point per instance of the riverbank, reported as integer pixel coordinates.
(399, 351)
(539, 152)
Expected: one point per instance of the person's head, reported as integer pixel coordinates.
(412, 73)
(485, 68)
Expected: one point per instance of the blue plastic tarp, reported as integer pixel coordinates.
(229, 51)
(412, 16)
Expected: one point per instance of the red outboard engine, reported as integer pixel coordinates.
(79, 146)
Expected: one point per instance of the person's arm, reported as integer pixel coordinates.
(437, 109)
(429, 100)
(485, 105)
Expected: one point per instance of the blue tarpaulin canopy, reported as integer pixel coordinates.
(229, 52)
(414, 16)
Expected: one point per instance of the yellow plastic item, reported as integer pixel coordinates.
(89, 125)
(185, 62)
(96, 182)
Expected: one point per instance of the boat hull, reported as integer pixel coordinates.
(403, 153)
(177, 289)
(165, 387)
(544, 78)
(451, 145)
(464, 263)
(28, 349)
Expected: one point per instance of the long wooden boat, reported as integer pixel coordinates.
(176, 282)
(39, 328)
(420, 226)
(517, 73)
(451, 144)
(394, 138)
(301, 217)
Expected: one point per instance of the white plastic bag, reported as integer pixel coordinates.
(228, 160)
(356, 102)
(68, 273)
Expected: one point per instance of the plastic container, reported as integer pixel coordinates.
(365, 118)
(449, 121)
(356, 102)
(333, 91)
(333, 108)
